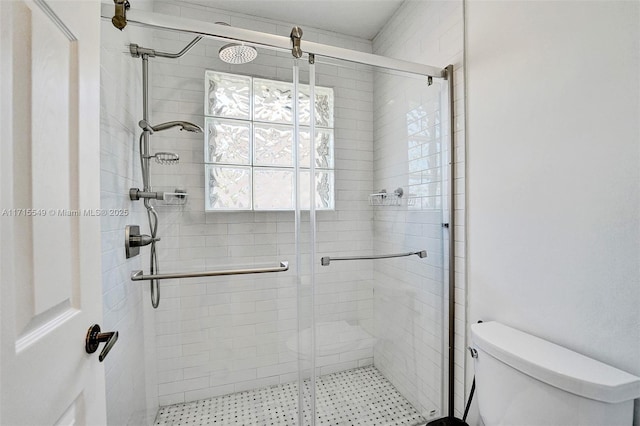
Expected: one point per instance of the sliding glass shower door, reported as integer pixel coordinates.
(336, 168)
(229, 345)
(377, 267)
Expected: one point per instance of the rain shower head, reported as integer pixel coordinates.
(184, 125)
(236, 54)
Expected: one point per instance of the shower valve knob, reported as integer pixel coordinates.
(133, 240)
(141, 240)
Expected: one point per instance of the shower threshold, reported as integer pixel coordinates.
(362, 396)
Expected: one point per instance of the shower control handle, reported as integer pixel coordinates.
(141, 240)
(133, 240)
(94, 338)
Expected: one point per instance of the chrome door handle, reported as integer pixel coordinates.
(94, 338)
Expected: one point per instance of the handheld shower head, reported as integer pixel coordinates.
(190, 127)
(184, 125)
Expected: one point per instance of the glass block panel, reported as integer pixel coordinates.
(324, 106)
(249, 144)
(272, 145)
(324, 190)
(227, 95)
(273, 189)
(227, 141)
(324, 148)
(272, 101)
(229, 188)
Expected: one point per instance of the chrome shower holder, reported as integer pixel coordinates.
(176, 198)
(382, 198)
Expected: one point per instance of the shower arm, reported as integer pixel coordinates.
(137, 51)
(145, 53)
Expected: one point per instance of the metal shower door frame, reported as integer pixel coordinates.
(269, 41)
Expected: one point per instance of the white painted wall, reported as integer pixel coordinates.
(554, 172)
(131, 396)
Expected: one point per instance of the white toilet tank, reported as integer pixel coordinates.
(522, 380)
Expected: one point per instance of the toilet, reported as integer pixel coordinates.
(522, 380)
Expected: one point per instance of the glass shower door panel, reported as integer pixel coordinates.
(306, 338)
(378, 340)
(323, 187)
(409, 293)
(323, 148)
(228, 342)
(324, 106)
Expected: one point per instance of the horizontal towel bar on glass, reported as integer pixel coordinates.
(139, 276)
(326, 260)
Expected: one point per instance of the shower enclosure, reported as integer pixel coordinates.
(337, 168)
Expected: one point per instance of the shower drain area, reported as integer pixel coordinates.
(362, 396)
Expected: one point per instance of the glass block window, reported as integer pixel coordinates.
(248, 144)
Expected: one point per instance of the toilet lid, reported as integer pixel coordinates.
(555, 365)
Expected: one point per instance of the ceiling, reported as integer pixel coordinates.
(358, 18)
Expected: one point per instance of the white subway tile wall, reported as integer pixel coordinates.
(409, 350)
(130, 377)
(229, 334)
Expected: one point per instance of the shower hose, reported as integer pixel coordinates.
(152, 217)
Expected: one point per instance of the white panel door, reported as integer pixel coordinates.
(49, 230)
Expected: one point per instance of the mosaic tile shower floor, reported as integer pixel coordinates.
(361, 396)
